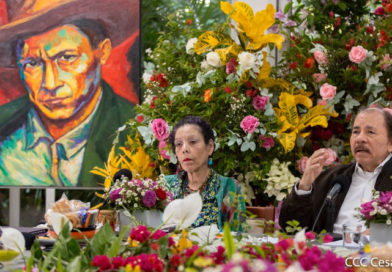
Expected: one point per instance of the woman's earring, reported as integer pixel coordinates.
(210, 161)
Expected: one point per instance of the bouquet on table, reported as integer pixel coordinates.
(139, 194)
(378, 210)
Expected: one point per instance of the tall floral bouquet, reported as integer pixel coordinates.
(339, 53)
(378, 210)
(138, 194)
(223, 75)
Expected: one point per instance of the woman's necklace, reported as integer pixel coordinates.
(189, 190)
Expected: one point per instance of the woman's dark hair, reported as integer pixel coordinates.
(204, 126)
(387, 119)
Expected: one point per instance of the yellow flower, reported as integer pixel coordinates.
(132, 243)
(292, 124)
(183, 243)
(129, 268)
(203, 262)
(207, 95)
(251, 27)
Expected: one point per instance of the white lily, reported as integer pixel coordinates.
(58, 222)
(204, 234)
(183, 212)
(13, 239)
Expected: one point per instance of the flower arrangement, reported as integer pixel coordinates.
(378, 210)
(226, 79)
(338, 52)
(155, 251)
(138, 194)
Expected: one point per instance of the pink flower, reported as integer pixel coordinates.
(328, 238)
(249, 124)
(149, 199)
(115, 194)
(158, 234)
(259, 102)
(319, 77)
(379, 11)
(139, 233)
(357, 54)
(162, 147)
(102, 261)
(331, 156)
(320, 57)
(321, 102)
(302, 164)
(268, 142)
(310, 235)
(386, 62)
(230, 66)
(160, 129)
(327, 91)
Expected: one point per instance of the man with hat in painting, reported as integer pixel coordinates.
(66, 124)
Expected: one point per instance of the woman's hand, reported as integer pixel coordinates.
(314, 166)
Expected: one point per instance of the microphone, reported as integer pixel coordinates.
(341, 184)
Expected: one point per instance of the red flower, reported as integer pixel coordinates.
(118, 262)
(140, 233)
(338, 20)
(331, 14)
(227, 89)
(154, 246)
(370, 29)
(309, 63)
(161, 194)
(248, 84)
(310, 235)
(251, 93)
(175, 260)
(189, 22)
(139, 118)
(293, 65)
(102, 261)
(328, 238)
(171, 242)
(350, 43)
(158, 234)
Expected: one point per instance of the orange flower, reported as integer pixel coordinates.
(207, 95)
(309, 63)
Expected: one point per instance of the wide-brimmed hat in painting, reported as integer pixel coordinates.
(29, 17)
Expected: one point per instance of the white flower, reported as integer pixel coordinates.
(246, 60)
(389, 222)
(383, 212)
(190, 45)
(146, 77)
(204, 65)
(213, 59)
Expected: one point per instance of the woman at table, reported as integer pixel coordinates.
(192, 140)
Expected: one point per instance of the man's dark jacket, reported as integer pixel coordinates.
(304, 208)
(113, 112)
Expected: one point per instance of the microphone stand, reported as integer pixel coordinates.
(331, 215)
(318, 215)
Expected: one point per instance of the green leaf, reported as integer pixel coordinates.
(75, 265)
(116, 245)
(59, 266)
(102, 240)
(287, 7)
(228, 240)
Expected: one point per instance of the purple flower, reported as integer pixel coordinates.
(385, 197)
(115, 194)
(290, 23)
(149, 199)
(366, 208)
(280, 15)
(274, 29)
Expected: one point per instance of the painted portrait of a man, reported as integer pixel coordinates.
(77, 63)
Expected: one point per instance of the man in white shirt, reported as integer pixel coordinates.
(371, 145)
